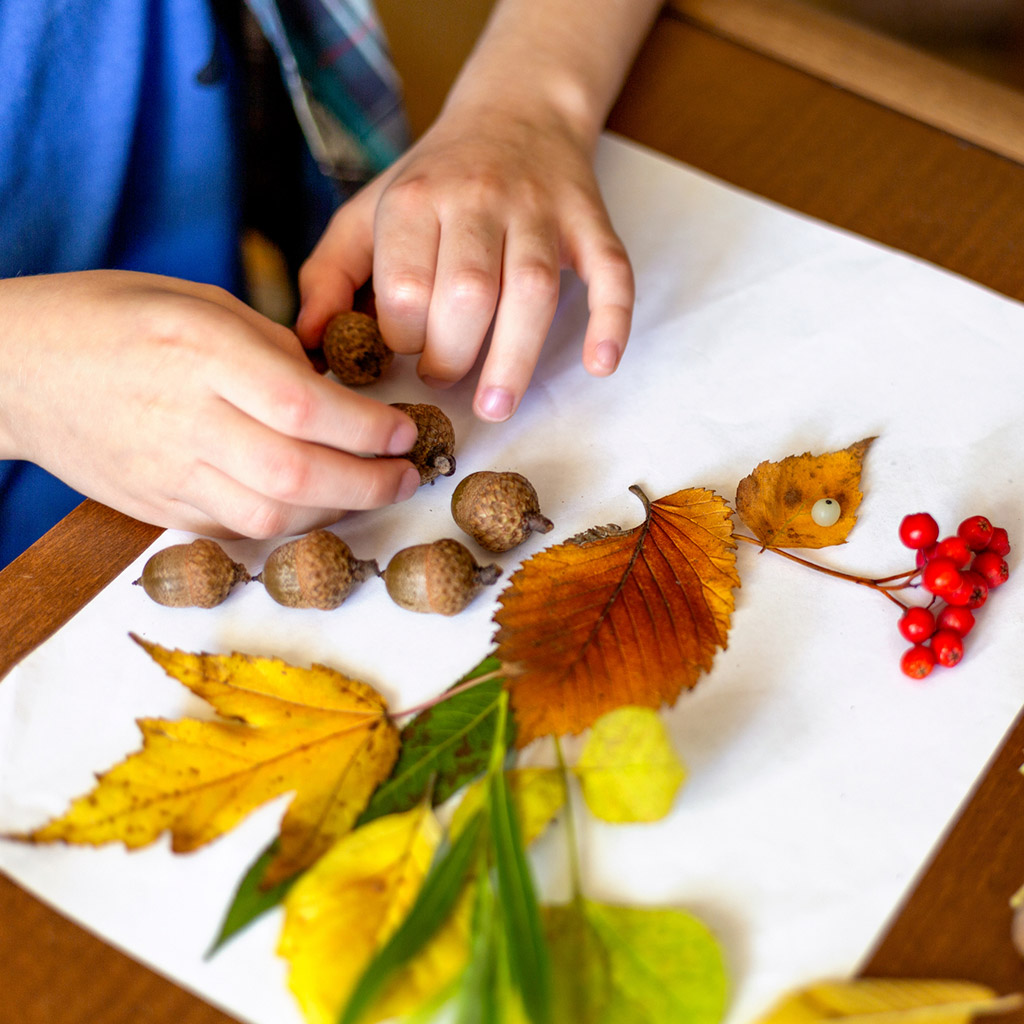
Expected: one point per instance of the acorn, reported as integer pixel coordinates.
(498, 510)
(314, 571)
(196, 575)
(354, 349)
(433, 454)
(441, 577)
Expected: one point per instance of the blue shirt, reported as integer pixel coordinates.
(113, 154)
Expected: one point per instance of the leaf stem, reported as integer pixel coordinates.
(881, 585)
(572, 841)
(451, 692)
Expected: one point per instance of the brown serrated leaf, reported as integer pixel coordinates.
(311, 731)
(775, 501)
(616, 617)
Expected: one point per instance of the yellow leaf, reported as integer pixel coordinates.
(629, 770)
(776, 500)
(311, 731)
(888, 1001)
(538, 794)
(341, 911)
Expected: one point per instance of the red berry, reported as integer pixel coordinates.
(941, 577)
(948, 647)
(977, 531)
(992, 567)
(918, 530)
(955, 549)
(959, 620)
(918, 661)
(972, 592)
(999, 542)
(917, 624)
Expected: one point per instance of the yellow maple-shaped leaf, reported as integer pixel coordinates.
(310, 731)
(343, 910)
(615, 617)
(628, 770)
(538, 794)
(777, 498)
(888, 1001)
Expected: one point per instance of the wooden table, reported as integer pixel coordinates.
(813, 114)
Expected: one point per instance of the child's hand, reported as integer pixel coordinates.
(178, 404)
(472, 227)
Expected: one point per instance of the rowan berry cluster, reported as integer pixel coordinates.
(958, 571)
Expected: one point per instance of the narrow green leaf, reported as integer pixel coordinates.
(528, 955)
(250, 901)
(434, 903)
(448, 744)
(480, 1000)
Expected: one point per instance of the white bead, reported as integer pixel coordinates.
(826, 512)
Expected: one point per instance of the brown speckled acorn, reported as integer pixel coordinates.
(433, 454)
(498, 510)
(441, 577)
(354, 349)
(196, 575)
(314, 571)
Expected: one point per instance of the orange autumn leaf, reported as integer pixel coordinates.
(615, 617)
(313, 732)
(776, 499)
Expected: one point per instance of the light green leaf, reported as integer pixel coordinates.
(628, 770)
(631, 965)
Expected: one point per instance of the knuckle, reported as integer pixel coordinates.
(287, 474)
(294, 406)
(406, 296)
(473, 289)
(536, 283)
(263, 520)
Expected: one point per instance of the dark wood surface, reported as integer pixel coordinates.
(761, 124)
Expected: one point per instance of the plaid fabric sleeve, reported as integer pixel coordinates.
(346, 93)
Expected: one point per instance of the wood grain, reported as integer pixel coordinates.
(870, 64)
(781, 132)
(64, 570)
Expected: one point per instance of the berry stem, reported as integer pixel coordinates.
(874, 584)
(452, 692)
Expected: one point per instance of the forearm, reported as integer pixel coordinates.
(567, 56)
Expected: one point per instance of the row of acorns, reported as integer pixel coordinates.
(499, 510)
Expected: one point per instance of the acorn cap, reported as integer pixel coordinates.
(441, 577)
(314, 571)
(354, 349)
(433, 453)
(498, 510)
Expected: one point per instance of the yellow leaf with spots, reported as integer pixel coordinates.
(888, 1001)
(629, 770)
(342, 911)
(312, 732)
(777, 500)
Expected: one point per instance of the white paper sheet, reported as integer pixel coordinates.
(820, 777)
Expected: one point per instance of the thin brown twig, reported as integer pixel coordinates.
(863, 581)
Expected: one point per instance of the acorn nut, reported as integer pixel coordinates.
(441, 577)
(196, 575)
(498, 510)
(433, 454)
(314, 571)
(354, 349)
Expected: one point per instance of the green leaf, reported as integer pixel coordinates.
(657, 964)
(518, 908)
(447, 745)
(484, 983)
(434, 903)
(250, 901)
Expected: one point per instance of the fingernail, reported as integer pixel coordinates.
(402, 439)
(436, 382)
(409, 484)
(606, 356)
(496, 404)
